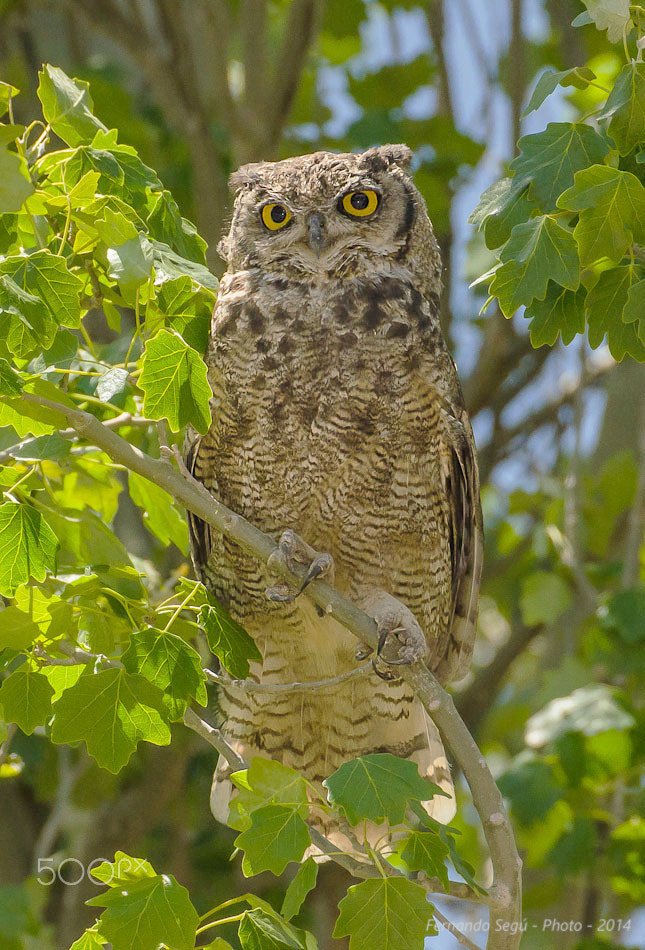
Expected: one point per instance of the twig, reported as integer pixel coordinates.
(250, 686)
(457, 934)
(358, 869)
(215, 738)
(505, 893)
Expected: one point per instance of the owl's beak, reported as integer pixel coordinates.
(316, 231)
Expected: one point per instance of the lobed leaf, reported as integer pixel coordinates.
(562, 312)
(175, 383)
(27, 546)
(111, 712)
(385, 914)
(378, 787)
(538, 250)
(167, 661)
(149, 912)
(229, 641)
(278, 834)
(67, 106)
(549, 160)
(612, 209)
(427, 851)
(26, 699)
(625, 108)
(265, 782)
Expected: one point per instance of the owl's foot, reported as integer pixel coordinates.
(401, 640)
(300, 559)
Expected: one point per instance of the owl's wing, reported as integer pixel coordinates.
(199, 531)
(466, 537)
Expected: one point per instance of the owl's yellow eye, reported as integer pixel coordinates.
(275, 216)
(359, 204)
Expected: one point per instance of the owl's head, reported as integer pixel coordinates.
(328, 213)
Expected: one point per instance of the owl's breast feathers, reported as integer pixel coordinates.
(337, 412)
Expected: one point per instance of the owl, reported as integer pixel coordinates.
(338, 427)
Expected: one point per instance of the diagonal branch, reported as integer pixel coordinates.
(506, 890)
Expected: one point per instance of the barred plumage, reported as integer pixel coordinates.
(337, 413)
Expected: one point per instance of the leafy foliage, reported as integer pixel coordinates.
(575, 202)
(105, 302)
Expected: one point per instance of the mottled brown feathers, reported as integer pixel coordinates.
(337, 412)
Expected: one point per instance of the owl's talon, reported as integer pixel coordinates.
(386, 674)
(298, 557)
(401, 641)
(363, 650)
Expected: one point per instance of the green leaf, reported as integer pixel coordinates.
(544, 598)
(302, 884)
(262, 931)
(634, 310)
(230, 642)
(500, 223)
(130, 264)
(15, 183)
(10, 382)
(42, 447)
(27, 546)
(548, 160)
(111, 712)
(605, 306)
(385, 914)
(167, 661)
(626, 614)
(149, 912)
(491, 200)
(112, 383)
(188, 310)
(610, 15)
(579, 76)
(90, 940)
(277, 836)
(625, 108)
(265, 782)
(537, 250)
(562, 312)
(25, 697)
(378, 787)
(67, 106)
(45, 276)
(18, 630)
(611, 205)
(175, 383)
(166, 225)
(7, 93)
(427, 851)
(589, 710)
(160, 514)
(123, 870)
(169, 265)
(25, 322)
(113, 227)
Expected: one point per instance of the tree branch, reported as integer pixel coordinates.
(358, 869)
(250, 686)
(506, 890)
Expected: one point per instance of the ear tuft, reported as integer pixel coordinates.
(382, 156)
(244, 177)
